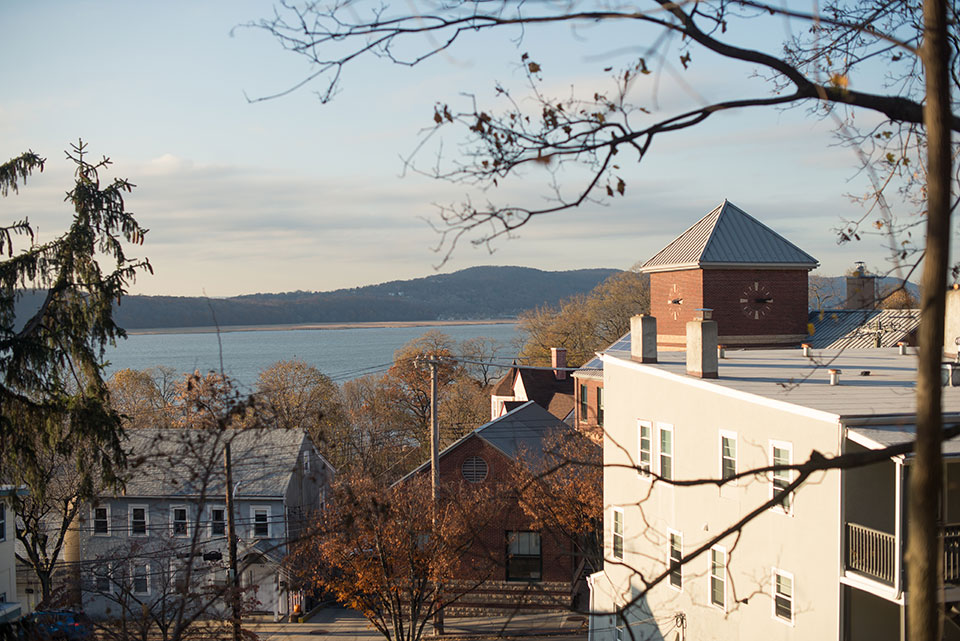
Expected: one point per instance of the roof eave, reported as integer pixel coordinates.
(674, 267)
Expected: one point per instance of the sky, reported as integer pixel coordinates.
(289, 194)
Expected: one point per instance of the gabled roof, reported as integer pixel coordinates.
(542, 387)
(858, 328)
(518, 434)
(185, 462)
(729, 237)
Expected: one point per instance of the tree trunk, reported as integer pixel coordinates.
(924, 567)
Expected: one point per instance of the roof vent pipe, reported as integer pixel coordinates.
(643, 338)
(702, 345)
(806, 349)
(721, 351)
(834, 376)
(902, 348)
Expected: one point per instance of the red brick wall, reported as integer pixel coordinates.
(491, 543)
(690, 284)
(723, 290)
(588, 424)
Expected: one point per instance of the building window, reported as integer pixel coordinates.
(523, 556)
(675, 560)
(3, 521)
(718, 577)
(178, 517)
(474, 469)
(619, 623)
(306, 462)
(101, 581)
(101, 521)
(666, 451)
(728, 455)
(600, 406)
(261, 522)
(139, 520)
(618, 533)
(141, 579)
(218, 521)
(783, 595)
(644, 447)
(583, 402)
(781, 454)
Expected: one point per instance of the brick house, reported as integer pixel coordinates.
(525, 567)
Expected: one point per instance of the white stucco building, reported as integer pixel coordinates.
(822, 562)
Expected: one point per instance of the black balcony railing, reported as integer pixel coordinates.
(872, 553)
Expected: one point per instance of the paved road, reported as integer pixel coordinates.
(340, 624)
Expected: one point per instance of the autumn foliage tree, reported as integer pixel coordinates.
(585, 324)
(383, 551)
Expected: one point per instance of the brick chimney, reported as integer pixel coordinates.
(643, 338)
(558, 359)
(702, 345)
(861, 289)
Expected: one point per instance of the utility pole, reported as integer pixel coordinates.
(435, 474)
(232, 536)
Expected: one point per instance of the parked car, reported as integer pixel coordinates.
(60, 625)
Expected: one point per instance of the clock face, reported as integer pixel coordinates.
(756, 301)
(674, 300)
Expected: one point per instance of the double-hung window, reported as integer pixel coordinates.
(139, 520)
(781, 454)
(524, 561)
(782, 583)
(141, 579)
(101, 580)
(666, 451)
(584, 402)
(218, 521)
(644, 448)
(101, 520)
(617, 532)
(718, 577)
(261, 522)
(178, 520)
(600, 406)
(675, 559)
(728, 454)
(3, 521)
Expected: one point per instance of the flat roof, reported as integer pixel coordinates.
(880, 436)
(873, 382)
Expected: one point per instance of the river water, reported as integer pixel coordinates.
(341, 354)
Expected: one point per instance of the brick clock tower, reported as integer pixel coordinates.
(753, 279)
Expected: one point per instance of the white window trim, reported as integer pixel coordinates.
(666, 427)
(613, 534)
(108, 576)
(736, 455)
(793, 596)
(146, 519)
(679, 534)
(722, 550)
(210, 510)
(133, 578)
(253, 521)
(93, 519)
(784, 445)
(186, 509)
(640, 473)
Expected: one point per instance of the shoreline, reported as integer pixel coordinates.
(315, 326)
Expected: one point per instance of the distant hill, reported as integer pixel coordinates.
(470, 294)
(829, 292)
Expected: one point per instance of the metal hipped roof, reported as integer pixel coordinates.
(729, 237)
